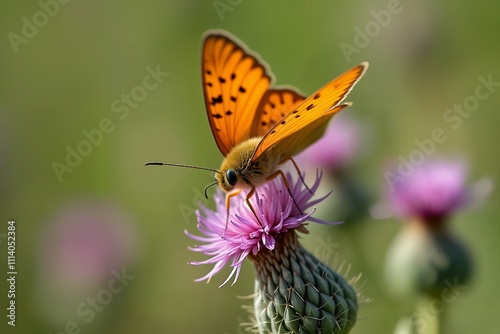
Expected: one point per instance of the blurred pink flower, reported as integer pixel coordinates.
(424, 255)
(434, 190)
(338, 148)
(85, 242)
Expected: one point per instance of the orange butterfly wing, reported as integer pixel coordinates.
(307, 122)
(275, 104)
(234, 82)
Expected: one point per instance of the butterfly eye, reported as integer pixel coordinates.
(231, 177)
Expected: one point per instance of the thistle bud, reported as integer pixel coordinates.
(296, 292)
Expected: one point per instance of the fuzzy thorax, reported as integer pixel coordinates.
(247, 173)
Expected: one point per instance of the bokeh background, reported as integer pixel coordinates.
(108, 213)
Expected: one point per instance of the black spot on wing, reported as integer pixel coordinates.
(233, 76)
(242, 90)
(297, 116)
(209, 84)
(233, 98)
(229, 113)
(317, 96)
(309, 107)
(283, 122)
(264, 123)
(222, 80)
(208, 72)
(218, 116)
(272, 105)
(216, 100)
(295, 111)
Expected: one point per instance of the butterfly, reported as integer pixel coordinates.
(255, 126)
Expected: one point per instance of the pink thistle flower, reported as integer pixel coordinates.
(277, 213)
(322, 301)
(425, 255)
(433, 190)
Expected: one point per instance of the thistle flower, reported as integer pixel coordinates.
(295, 292)
(425, 256)
(434, 190)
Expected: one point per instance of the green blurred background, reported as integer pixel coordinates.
(64, 78)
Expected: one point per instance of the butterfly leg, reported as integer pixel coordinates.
(249, 195)
(298, 172)
(228, 204)
(279, 172)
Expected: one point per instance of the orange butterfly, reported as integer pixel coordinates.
(257, 128)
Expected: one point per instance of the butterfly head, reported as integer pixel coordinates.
(227, 179)
(238, 171)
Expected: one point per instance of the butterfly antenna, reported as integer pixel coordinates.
(180, 165)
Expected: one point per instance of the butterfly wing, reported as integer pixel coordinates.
(307, 122)
(294, 143)
(275, 104)
(234, 82)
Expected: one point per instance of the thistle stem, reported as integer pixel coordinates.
(428, 319)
